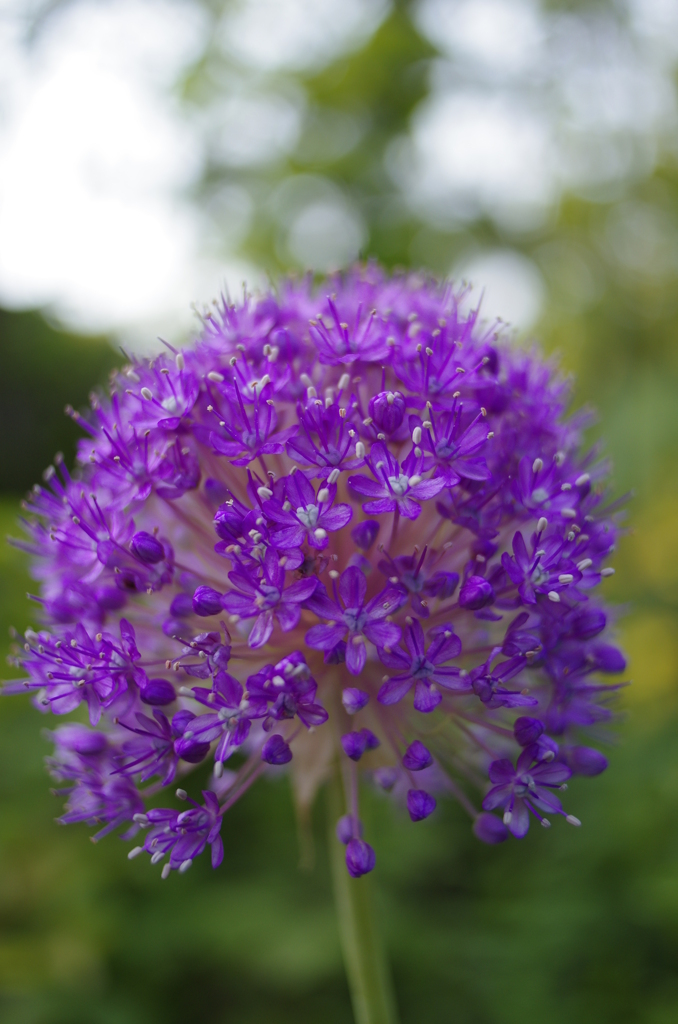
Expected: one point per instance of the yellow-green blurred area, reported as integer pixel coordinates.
(566, 925)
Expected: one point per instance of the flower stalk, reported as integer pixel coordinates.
(367, 969)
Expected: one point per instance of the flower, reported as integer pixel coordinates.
(368, 494)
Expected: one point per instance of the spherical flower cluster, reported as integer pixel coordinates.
(350, 524)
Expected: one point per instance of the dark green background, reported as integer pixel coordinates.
(568, 925)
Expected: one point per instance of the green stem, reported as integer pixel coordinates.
(367, 970)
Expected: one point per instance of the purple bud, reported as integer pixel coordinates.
(180, 721)
(589, 623)
(110, 598)
(417, 757)
(420, 804)
(365, 534)
(276, 750)
(386, 777)
(360, 858)
(347, 828)
(607, 658)
(147, 548)
(194, 753)
(475, 593)
(182, 606)
(442, 584)
(371, 741)
(80, 739)
(586, 760)
(158, 692)
(354, 699)
(387, 409)
(354, 744)
(489, 828)
(207, 601)
(527, 730)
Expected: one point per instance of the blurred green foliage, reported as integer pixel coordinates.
(568, 925)
(43, 369)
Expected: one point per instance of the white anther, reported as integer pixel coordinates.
(427, 425)
(333, 477)
(344, 381)
(157, 857)
(320, 534)
(264, 493)
(565, 577)
(545, 823)
(180, 361)
(507, 817)
(135, 852)
(306, 380)
(566, 487)
(581, 480)
(568, 513)
(414, 480)
(323, 494)
(537, 465)
(359, 639)
(584, 564)
(334, 575)
(571, 820)
(607, 572)
(360, 450)
(147, 394)
(164, 874)
(218, 769)
(216, 377)
(185, 865)
(131, 375)
(553, 596)
(181, 794)
(542, 524)
(416, 435)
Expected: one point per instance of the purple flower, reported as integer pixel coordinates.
(262, 595)
(526, 788)
(230, 482)
(305, 515)
(356, 622)
(184, 835)
(423, 669)
(392, 489)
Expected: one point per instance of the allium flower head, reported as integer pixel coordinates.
(349, 520)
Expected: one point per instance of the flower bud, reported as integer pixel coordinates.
(476, 593)
(347, 827)
(365, 534)
(420, 804)
(276, 750)
(586, 760)
(207, 601)
(360, 858)
(354, 699)
(181, 606)
(417, 757)
(147, 548)
(527, 730)
(158, 692)
(489, 828)
(387, 409)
